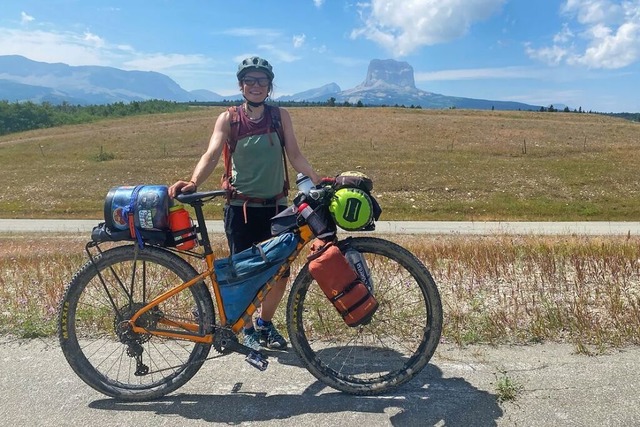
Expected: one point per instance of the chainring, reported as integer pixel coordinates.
(221, 339)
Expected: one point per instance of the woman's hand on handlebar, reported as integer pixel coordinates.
(327, 180)
(182, 187)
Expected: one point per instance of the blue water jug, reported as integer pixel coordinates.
(150, 208)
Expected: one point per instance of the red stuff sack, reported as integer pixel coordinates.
(341, 284)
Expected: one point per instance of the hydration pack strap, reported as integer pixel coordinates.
(129, 213)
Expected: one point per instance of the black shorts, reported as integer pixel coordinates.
(257, 228)
(241, 235)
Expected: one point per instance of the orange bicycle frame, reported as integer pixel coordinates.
(190, 329)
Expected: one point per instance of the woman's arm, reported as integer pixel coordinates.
(209, 159)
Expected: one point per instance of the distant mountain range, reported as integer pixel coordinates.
(22, 79)
(388, 82)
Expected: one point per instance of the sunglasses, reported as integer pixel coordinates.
(251, 81)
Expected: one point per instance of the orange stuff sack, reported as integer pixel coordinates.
(340, 283)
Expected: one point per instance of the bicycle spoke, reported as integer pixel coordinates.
(392, 347)
(96, 336)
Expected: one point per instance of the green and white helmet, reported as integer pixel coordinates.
(351, 208)
(255, 63)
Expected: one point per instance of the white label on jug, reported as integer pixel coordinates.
(146, 219)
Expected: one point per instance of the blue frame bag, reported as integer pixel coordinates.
(242, 275)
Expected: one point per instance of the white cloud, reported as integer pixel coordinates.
(320, 49)
(87, 49)
(269, 43)
(612, 49)
(161, 61)
(276, 53)
(68, 47)
(298, 40)
(589, 12)
(25, 18)
(565, 35)
(94, 40)
(269, 52)
(606, 35)
(481, 73)
(318, 3)
(264, 33)
(403, 26)
(552, 55)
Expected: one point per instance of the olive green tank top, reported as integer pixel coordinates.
(256, 164)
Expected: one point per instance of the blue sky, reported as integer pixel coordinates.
(582, 53)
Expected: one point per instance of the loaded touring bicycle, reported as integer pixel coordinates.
(139, 319)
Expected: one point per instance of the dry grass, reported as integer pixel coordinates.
(495, 289)
(584, 290)
(426, 164)
(33, 272)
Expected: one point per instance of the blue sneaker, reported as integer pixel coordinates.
(269, 336)
(251, 339)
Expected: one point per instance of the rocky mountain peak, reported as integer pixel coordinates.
(390, 73)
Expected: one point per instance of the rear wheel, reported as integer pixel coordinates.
(393, 347)
(93, 323)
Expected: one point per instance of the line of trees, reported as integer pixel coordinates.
(634, 117)
(22, 116)
(331, 102)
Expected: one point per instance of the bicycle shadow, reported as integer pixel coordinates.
(428, 399)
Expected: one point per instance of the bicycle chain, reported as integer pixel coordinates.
(222, 336)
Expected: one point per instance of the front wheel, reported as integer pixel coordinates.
(393, 347)
(93, 323)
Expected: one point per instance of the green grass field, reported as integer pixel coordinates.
(426, 164)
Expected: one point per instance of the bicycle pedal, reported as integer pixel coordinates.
(257, 360)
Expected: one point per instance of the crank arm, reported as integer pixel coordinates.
(253, 357)
(240, 348)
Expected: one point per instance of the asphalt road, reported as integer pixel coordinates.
(382, 227)
(459, 388)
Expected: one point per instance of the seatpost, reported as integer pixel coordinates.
(202, 226)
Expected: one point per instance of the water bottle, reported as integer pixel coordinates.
(359, 264)
(304, 183)
(180, 222)
(318, 226)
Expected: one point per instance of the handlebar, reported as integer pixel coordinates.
(191, 198)
(316, 195)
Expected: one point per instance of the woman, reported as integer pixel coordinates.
(256, 178)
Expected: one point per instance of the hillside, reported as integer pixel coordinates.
(426, 164)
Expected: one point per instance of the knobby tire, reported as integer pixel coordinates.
(393, 348)
(94, 307)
